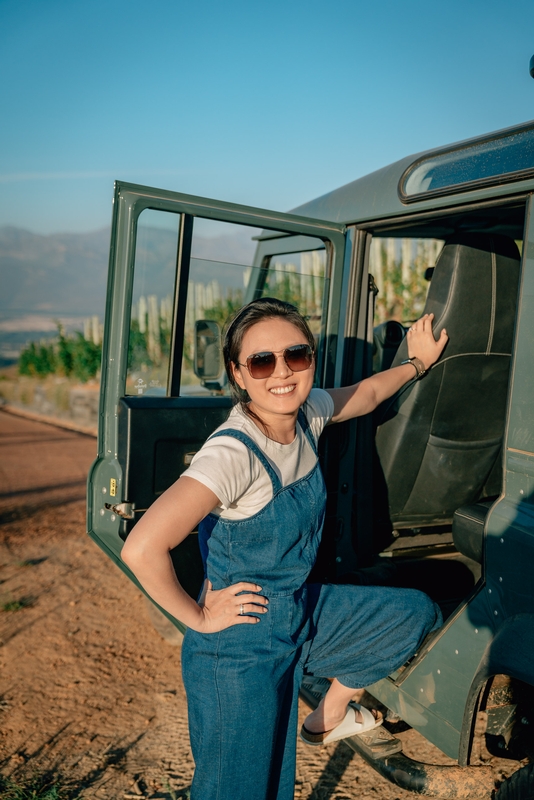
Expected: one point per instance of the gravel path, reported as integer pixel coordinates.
(87, 688)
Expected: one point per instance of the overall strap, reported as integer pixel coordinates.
(253, 447)
(305, 425)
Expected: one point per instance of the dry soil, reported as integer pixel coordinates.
(88, 689)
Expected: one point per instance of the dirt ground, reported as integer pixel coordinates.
(88, 689)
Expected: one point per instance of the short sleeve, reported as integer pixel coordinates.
(226, 466)
(319, 410)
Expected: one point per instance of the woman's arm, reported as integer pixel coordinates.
(147, 552)
(365, 396)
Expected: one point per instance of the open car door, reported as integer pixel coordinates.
(179, 266)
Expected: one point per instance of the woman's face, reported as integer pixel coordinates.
(284, 391)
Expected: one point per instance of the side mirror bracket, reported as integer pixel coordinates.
(208, 362)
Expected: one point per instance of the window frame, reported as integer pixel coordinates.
(479, 183)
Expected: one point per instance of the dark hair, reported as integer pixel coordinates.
(246, 317)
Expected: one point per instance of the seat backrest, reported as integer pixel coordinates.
(439, 439)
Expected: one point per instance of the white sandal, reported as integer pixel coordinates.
(349, 727)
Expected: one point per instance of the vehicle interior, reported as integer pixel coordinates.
(436, 447)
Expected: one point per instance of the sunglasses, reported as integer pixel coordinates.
(262, 365)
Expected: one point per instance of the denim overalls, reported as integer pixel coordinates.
(242, 683)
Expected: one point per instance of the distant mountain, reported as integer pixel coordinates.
(56, 274)
(64, 276)
(65, 273)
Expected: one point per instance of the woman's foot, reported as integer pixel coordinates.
(336, 717)
(357, 720)
(319, 722)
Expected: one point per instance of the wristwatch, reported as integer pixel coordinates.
(418, 365)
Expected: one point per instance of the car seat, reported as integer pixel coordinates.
(439, 440)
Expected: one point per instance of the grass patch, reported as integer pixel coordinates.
(16, 605)
(172, 793)
(12, 605)
(29, 562)
(36, 787)
(181, 794)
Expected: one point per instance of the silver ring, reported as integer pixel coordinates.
(241, 610)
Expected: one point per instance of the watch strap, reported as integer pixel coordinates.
(417, 364)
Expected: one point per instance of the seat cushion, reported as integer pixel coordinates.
(468, 529)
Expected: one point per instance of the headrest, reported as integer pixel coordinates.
(473, 294)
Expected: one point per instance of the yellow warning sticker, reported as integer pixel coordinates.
(112, 487)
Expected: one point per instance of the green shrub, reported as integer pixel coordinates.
(64, 352)
(86, 358)
(72, 356)
(38, 359)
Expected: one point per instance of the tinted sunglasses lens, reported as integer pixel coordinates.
(261, 365)
(299, 357)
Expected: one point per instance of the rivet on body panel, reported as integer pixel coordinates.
(104, 490)
(476, 630)
(502, 541)
(489, 591)
(439, 672)
(113, 518)
(500, 580)
(456, 651)
(102, 512)
(496, 613)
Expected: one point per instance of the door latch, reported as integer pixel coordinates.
(124, 510)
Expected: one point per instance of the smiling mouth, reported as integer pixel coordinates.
(283, 389)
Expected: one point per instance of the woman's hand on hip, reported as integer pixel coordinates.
(235, 605)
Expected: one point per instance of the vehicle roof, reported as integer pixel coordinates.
(375, 196)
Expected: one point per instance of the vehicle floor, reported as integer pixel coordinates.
(88, 689)
(448, 578)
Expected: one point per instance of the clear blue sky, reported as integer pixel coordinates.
(268, 104)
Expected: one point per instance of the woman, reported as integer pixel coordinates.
(257, 491)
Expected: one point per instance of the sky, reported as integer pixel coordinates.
(268, 104)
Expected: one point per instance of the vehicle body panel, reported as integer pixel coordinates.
(375, 196)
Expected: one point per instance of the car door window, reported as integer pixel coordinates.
(402, 269)
(151, 315)
(299, 278)
(222, 255)
(226, 272)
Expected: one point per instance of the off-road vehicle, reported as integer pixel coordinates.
(435, 490)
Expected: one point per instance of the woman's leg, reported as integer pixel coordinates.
(242, 718)
(361, 634)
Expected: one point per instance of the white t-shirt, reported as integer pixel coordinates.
(227, 466)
